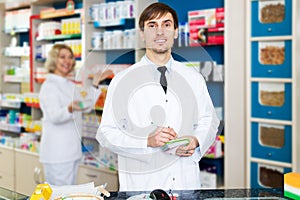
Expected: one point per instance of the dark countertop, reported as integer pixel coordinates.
(228, 194)
(237, 194)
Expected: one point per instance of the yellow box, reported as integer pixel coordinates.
(41, 192)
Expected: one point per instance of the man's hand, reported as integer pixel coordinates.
(189, 149)
(161, 136)
(100, 76)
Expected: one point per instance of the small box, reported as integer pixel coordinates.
(292, 185)
(41, 192)
(206, 27)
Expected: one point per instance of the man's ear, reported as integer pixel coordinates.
(142, 35)
(176, 33)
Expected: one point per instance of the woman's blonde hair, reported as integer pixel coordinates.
(50, 63)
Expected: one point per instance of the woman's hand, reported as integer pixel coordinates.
(74, 106)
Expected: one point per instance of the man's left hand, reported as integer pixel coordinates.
(189, 149)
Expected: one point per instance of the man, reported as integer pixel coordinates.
(145, 108)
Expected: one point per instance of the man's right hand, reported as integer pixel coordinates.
(161, 136)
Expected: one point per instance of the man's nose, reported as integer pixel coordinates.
(159, 30)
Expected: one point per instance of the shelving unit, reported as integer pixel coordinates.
(201, 54)
(99, 56)
(15, 69)
(272, 102)
(41, 40)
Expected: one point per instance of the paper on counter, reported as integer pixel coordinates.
(58, 191)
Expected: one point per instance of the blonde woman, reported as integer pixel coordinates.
(60, 150)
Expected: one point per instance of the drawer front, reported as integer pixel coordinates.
(273, 103)
(99, 177)
(262, 24)
(271, 59)
(267, 176)
(7, 160)
(7, 180)
(271, 142)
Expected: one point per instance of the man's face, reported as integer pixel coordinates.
(159, 34)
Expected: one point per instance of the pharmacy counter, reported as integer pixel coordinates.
(231, 194)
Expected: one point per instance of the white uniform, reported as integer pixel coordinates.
(61, 130)
(146, 168)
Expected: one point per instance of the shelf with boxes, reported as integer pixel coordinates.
(201, 45)
(15, 61)
(16, 117)
(15, 114)
(53, 25)
(111, 43)
(271, 78)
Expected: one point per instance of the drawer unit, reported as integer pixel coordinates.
(99, 176)
(271, 18)
(271, 142)
(271, 100)
(29, 172)
(7, 167)
(7, 160)
(271, 59)
(266, 176)
(7, 180)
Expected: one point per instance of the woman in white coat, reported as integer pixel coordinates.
(60, 149)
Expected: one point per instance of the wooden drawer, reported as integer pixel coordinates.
(7, 160)
(7, 180)
(99, 176)
(29, 172)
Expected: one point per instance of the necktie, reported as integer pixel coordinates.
(163, 79)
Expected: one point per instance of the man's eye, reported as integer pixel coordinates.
(151, 26)
(167, 25)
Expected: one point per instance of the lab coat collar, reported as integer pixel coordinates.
(56, 78)
(168, 65)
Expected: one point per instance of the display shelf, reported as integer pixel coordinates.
(16, 30)
(16, 78)
(103, 24)
(57, 13)
(16, 104)
(41, 44)
(13, 128)
(59, 37)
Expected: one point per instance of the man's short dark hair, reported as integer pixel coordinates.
(157, 10)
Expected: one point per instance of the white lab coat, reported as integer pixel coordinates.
(61, 130)
(146, 168)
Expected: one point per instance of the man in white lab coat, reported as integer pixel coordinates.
(140, 116)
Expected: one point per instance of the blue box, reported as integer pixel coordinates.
(283, 27)
(272, 69)
(271, 142)
(271, 104)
